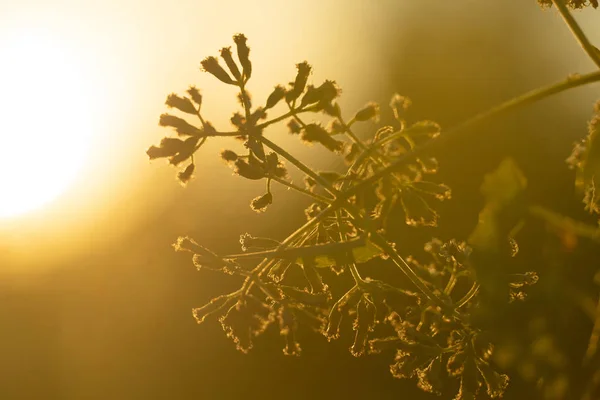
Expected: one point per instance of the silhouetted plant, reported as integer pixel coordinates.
(443, 325)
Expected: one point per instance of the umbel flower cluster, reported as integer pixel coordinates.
(430, 326)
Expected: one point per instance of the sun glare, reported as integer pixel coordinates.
(45, 125)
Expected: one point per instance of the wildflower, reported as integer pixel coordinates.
(288, 326)
(275, 97)
(181, 103)
(238, 120)
(188, 148)
(213, 306)
(243, 52)
(294, 126)
(249, 171)
(300, 82)
(363, 324)
(369, 112)
(399, 104)
(335, 127)
(182, 127)
(226, 56)
(186, 175)
(316, 133)
(259, 204)
(250, 242)
(176, 149)
(195, 95)
(323, 94)
(246, 319)
(168, 147)
(229, 155)
(211, 65)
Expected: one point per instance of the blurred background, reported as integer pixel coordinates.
(94, 302)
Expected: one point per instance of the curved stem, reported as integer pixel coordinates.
(302, 190)
(467, 297)
(298, 164)
(517, 102)
(451, 283)
(589, 48)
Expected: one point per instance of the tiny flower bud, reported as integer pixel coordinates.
(399, 104)
(258, 114)
(275, 96)
(185, 243)
(259, 204)
(316, 133)
(229, 155)
(243, 52)
(300, 82)
(182, 127)
(181, 103)
(335, 127)
(154, 152)
(294, 126)
(211, 307)
(168, 147)
(238, 120)
(250, 242)
(195, 95)
(226, 55)
(211, 65)
(187, 149)
(332, 109)
(248, 171)
(274, 166)
(370, 111)
(185, 175)
(311, 96)
(323, 95)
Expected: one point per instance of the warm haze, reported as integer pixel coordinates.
(94, 302)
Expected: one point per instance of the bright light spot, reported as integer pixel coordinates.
(45, 124)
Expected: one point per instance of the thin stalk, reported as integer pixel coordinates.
(451, 283)
(298, 252)
(468, 296)
(517, 102)
(584, 42)
(351, 266)
(298, 164)
(302, 190)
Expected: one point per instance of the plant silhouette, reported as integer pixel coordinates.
(442, 323)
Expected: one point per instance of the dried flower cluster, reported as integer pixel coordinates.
(429, 325)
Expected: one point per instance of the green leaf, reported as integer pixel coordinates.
(502, 185)
(501, 189)
(361, 254)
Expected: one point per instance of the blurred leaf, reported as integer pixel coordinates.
(361, 254)
(501, 189)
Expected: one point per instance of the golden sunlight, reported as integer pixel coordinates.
(45, 124)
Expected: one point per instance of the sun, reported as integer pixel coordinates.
(45, 124)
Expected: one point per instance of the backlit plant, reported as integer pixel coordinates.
(438, 327)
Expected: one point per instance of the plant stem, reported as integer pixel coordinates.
(566, 223)
(302, 190)
(591, 51)
(362, 222)
(517, 102)
(467, 297)
(299, 164)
